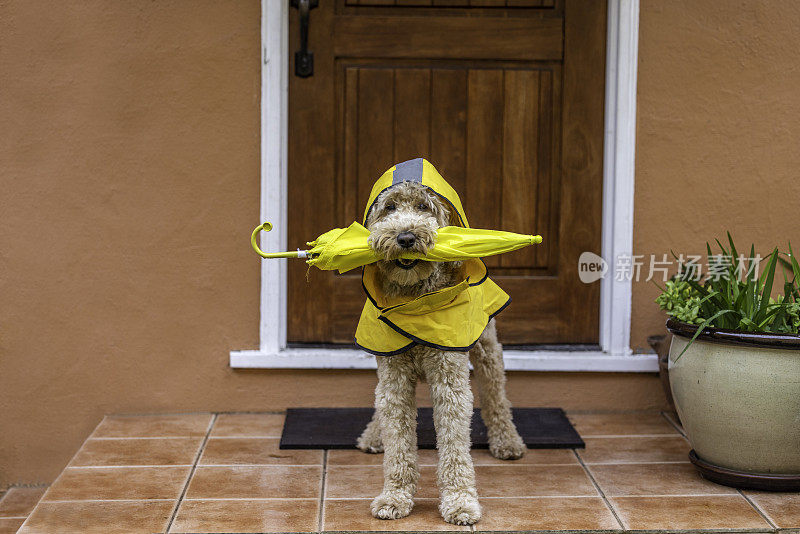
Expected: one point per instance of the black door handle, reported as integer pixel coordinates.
(303, 59)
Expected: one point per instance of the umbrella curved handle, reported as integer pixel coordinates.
(267, 226)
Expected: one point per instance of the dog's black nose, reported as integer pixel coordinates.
(406, 239)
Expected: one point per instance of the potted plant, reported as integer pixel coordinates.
(734, 366)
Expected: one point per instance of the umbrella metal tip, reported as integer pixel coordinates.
(537, 239)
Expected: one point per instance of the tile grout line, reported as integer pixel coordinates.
(246, 437)
(635, 462)
(347, 499)
(189, 499)
(634, 436)
(515, 465)
(321, 519)
(258, 465)
(674, 425)
(152, 415)
(758, 509)
(752, 503)
(191, 473)
(120, 438)
(600, 491)
(268, 412)
(498, 497)
(94, 430)
(671, 495)
(61, 474)
(494, 497)
(676, 434)
(140, 466)
(242, 436)
(61, 501)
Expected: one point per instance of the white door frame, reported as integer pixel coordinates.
(617, 217)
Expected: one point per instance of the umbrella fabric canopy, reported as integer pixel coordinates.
(344, 249)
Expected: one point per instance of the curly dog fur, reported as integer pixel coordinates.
(412, 208)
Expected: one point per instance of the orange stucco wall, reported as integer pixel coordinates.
(131, 131)
(717, 138)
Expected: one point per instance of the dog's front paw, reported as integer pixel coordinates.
(508, 447)
(392, 505)
(460, 508)
(370, 442)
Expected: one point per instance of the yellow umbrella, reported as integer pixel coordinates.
(345, 249)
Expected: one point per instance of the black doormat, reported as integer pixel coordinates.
(338, 428)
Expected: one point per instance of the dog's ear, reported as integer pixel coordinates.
(370, 217)
(449, 215)
(440, 209)
(375, 209)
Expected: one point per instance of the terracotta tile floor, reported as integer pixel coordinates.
(225, 473)
(15, 505)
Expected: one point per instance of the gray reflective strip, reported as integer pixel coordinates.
(408, 171)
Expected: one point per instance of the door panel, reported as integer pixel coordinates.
(455, 37)
(454, 3)
(491, 110)
(492, 140)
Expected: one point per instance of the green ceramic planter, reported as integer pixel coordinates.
(738, 397)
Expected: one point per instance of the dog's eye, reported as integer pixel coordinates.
(390, 207)
(422, 206)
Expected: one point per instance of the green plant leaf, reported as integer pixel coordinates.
(732, 302)
(700, 330)
(766, 289)
(795, 265)
(733, 247)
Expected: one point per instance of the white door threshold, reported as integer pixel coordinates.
(515, 360)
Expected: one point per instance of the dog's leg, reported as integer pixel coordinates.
(448, 376)
(395, 403)
(487, 362)
(370, 439)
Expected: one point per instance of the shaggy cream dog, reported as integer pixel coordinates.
(405, 218)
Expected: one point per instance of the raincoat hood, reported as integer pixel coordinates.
(452, 318)
(417, 170)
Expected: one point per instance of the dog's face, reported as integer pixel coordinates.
(405, 218)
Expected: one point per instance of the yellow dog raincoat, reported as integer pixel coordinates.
(452, 318)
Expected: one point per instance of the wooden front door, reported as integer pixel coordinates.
(504, 97)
